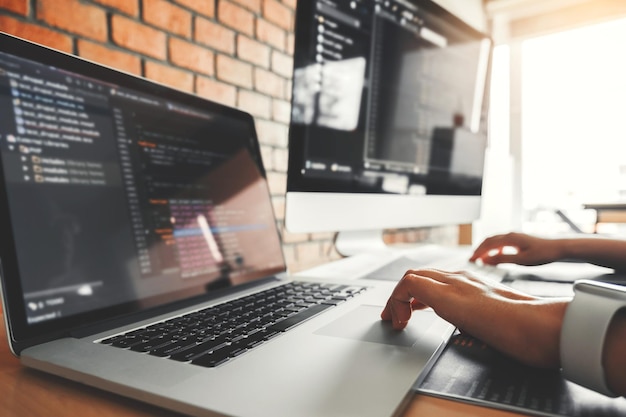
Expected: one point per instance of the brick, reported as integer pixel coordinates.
(271, 34)
(288, 89)
(282, 64)
(253, 51)
(129, 7)
(281, 111)
(167, 16)
(36, 34)
(172, 77)
(290, 3)
(188, 55)
(204, 7)
(278, 13)
(216, 91)
(15, 6)
(446, 235)
(289, 252)
(277, 183)
(255, 104)
(269, 83)
(253, 5)
(391, 237)
(234, 72)
(272, 133)
(107, 56)
(267, 156)
(329, 250)
(309, 253)
(214, 35)
(289, 237)
(323, 236)
(291, 39)
(280, 159)
(75, 17)
(235, 17)
(278, 203)
(138, 37)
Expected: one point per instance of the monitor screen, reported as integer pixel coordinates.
(388, 114)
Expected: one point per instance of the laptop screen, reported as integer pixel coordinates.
(120, 192)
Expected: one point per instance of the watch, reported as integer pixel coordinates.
(585, 324)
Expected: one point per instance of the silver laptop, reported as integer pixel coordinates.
(140, 255)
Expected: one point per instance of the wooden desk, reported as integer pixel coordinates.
(608, 213)
(26, 392)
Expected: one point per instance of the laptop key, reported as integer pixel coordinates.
(129, 342)
(111, 340)
(237, 348)
(298, 318)
(213, 359)
(170, 348)
(255, 339)
(332, 302)
(197, 350)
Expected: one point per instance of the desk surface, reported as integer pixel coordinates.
(26, 392)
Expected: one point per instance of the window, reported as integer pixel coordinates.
(573, 124)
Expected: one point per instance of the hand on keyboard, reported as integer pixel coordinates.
(517, 248)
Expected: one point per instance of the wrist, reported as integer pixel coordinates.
(567, 248)
(534, 335)
(550, 313)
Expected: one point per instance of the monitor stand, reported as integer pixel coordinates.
(354, 242)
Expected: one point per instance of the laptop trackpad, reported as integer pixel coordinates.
(364, 323)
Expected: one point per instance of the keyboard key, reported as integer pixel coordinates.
(212, 359)
(199, 349)
(298, 318)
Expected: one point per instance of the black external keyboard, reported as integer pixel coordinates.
(212, 336)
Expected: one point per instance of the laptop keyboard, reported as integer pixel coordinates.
(214, 335)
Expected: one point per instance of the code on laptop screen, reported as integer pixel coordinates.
(118, 196)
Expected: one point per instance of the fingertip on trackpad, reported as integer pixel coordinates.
(364, 324)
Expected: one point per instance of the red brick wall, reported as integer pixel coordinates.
(237, 52)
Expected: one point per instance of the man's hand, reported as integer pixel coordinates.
(520, 325)
(517, 248)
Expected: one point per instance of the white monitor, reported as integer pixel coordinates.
(388, 124)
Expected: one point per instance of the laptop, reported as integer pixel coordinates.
(140, 255)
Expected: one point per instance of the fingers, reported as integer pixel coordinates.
(415, 304)
(398, 312)
(490, 251)
(488, 245)
(412, 292)
(501, 258)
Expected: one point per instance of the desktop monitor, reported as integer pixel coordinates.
(388, 123)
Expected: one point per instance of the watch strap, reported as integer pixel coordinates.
(587, 319)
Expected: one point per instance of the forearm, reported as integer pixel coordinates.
(610, 253)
